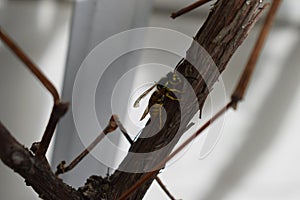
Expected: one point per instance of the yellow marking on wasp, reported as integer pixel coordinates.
(164, 89)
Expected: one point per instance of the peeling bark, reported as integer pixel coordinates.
(222, 33)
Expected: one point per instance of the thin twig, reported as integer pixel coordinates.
(123, 130)
(189, 8)
(159, 181)
(180, 148)
(59, 108)
(164, 188)
(57, 112)
(31, 66)
(112, 125)
(242, 85)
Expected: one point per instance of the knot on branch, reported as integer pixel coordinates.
(60, 109)
(96, 187)
(20, 161)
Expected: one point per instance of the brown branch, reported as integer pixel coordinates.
(112, 126)
(223, 32)
(225, 29)
(189, 8)
(158, 180)
(124, 131)
(29, 63)
(147, 176)
(59, 108)
(33, 170)
(236, 97)
(242, 85)
(164, 188)
(57, 112)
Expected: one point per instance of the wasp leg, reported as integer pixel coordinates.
(160, 119)
(175, 90)
(172, 98)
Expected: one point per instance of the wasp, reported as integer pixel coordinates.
(165, 88)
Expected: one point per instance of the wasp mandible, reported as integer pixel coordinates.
(167, 87)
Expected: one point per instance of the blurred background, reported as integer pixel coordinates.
(257, 155)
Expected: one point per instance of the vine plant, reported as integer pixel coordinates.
(224, 30)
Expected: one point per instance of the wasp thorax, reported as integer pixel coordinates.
(167, 88)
